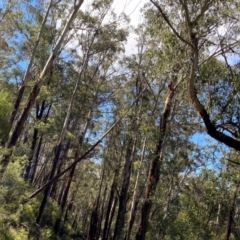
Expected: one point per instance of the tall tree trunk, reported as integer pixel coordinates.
(66, 190)
(99, 226)
(95, 213)
(39, 114)
(58, 148)
(131, 146)
(53, 191)
(231, 213)
(71, 174)
(110, 203)
(154, 169)
(111, 215)
(26, 74)
(18, 128)
(36, 160)
(132, 211)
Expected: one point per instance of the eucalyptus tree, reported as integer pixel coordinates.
(18, 128)
(94, 50)
(206, 30)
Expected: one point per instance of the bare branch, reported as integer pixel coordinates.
(203, 10)
(232, 161)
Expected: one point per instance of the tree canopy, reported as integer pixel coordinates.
(100, 142)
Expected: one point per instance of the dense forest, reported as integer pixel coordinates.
(110, 130)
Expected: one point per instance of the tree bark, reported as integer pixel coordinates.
(132, 211)
(93, 228)
(55, 178)
(16, 132)
(192, 43)
(231, 213)
(124, 190)
(36, 160)
(26, 74)
(110, 203)
(154, 169)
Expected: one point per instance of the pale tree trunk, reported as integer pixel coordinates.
(33, 173)
(71, 174)
(18, 128)
(26, 74)
(171, 196)
(93, 228)
(112, 212)
(154, 169)
(130, 153)
(132, 211)
(86, 153)
(58, 148)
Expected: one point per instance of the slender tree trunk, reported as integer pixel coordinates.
(17, 130)
(55, 178)
(65, 192)
(53, 192)
(26, 74)
(39, 114)
(231, 213)
(47, 190)
(36, 160)
(95, 214)
(62, 136)
(110, 203)
(131, 146)
(132, 211)
(154, 169)
(111, 215)
(99, 226)
(71, 174)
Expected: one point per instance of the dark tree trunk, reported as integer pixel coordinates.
(112, 212)
(69, 181)
(231, 213)
(39, 114)
(53, 191)
(36, 160)
(124, 190)
(18, 128)
(34, 142)
(99, 227)
(154, 169)
(110, 203)
(131, 222)
(93, 228)
(47, 189)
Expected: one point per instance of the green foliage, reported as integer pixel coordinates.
(196, 183)
(6, 106)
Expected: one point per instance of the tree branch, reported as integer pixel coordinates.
(203, 10)
(169, 24)
(84, 154)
